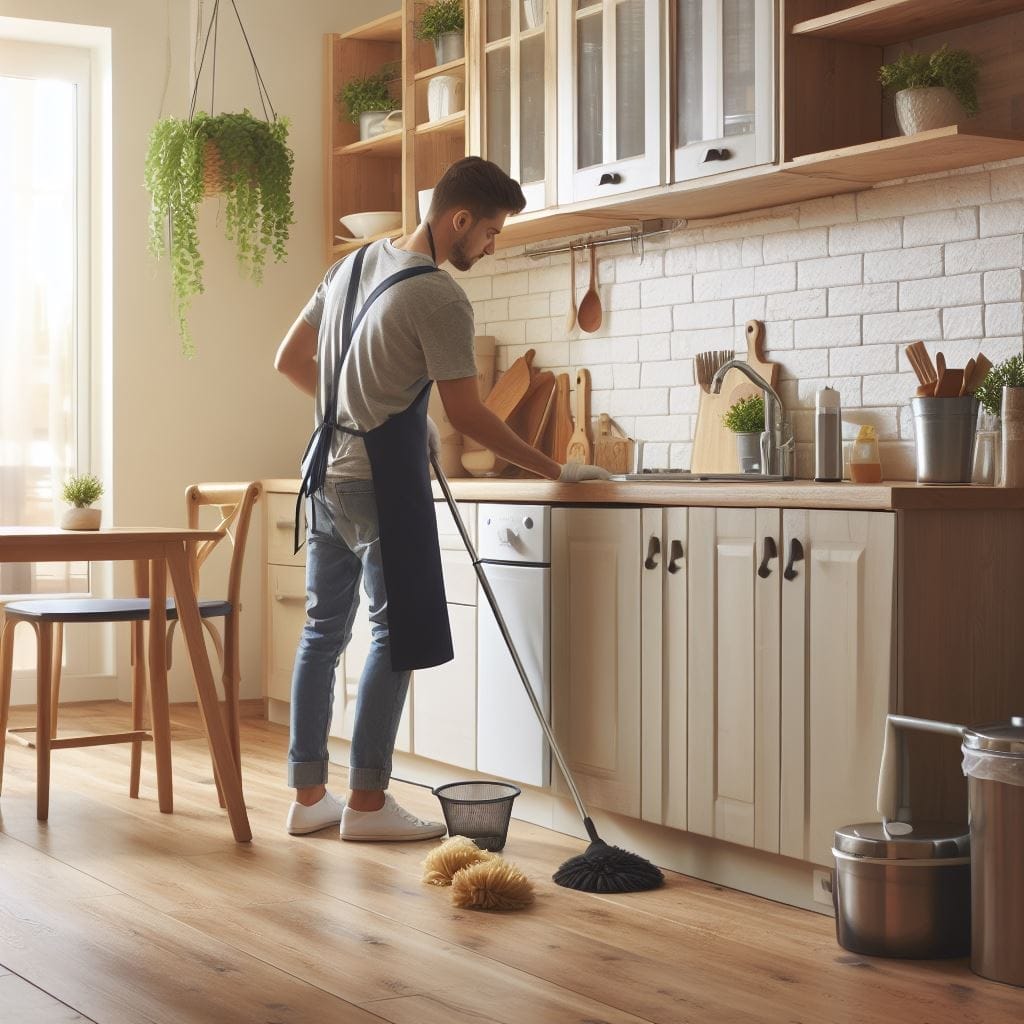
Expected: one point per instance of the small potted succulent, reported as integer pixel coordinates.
(443, 23)
(746, 420)
(1001, 395)
(80, 492)
(932, 90)
(368, 101)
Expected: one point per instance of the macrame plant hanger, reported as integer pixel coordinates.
(213, 177)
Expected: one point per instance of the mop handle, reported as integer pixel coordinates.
(493, 602)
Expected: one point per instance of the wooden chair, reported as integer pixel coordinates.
(47, 617)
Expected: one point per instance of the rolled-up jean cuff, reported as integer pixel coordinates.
(368, 778)
(307, 773)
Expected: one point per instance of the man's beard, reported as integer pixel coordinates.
(458, 256)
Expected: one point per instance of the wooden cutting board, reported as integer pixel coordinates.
(581, 447)
(714, 445)
(505, 397)
(562, 430)
(533, 418)
(612, 449)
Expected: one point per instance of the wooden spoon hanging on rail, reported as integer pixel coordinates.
(589, 315)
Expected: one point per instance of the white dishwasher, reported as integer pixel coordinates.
(514, 548)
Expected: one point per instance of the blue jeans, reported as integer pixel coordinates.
(344, 547)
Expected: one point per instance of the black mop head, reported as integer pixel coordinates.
(604, 868)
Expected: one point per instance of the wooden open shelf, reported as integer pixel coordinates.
(442, 69)
(387, 29)
(339, 249)
(388, 144)
(453, 124)
(881, 22)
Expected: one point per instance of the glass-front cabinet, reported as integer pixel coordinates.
(610, 97)
(723, 97)
(514, 47)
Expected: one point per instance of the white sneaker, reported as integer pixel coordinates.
(391, 823)
(325, 812)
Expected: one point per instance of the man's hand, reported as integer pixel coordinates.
(433, 439)
(576, 472)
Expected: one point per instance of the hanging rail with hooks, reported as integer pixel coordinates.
(636, 238)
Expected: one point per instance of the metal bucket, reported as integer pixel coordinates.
(944, 432)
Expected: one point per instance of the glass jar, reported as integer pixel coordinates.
(865, 462)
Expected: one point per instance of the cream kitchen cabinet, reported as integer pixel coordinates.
(596, 565)
(611, 138)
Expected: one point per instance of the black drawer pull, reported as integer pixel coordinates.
(796, 554)
(675, 553)
(653, 548)
(770, 551)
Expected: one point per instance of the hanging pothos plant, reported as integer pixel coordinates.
(244, 157)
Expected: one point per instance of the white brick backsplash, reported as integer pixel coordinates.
(476, 288)
(507, 332)
(684, 401)
(686, 344)
(795, 305)
(626, 375)
(622, 296)
(944, 226)
(902, 327)
(796, 245)
(654, 347)
(828, 211)
(923, 196)
(867, 298)
(984, 254)
(797, 394)
(1003, 318)
(529, 307)
(778, 334)
(903, 264)
(959, 290)
(885, 421)
(681, 261)
(495, 309)
(630, 268)
(753, 252)
(602, 350)
(865, 236)
(656, 320)
(655, 454)
(834, 270)
(745, 226)
(680, 456)
(963, 322)
(702, 314)
(1007, 183)
(723, 284)
(998, 349)
(1002, 218)
(620, 322)
(550, 354)
(1003, 286)
(666, 291)
(538, 331)
(777, 277)
(826, 331)
(549, 279)
(889, 388)
(719, 255)
(807, 362)
(844, 362)
(751, 308)
(677, 373)
(639, 402)
(512, 284)
(657, 428)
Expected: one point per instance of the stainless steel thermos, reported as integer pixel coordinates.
(828, 436)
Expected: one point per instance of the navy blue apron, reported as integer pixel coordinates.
(420, 633)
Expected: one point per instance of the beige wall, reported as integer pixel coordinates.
(225, 414)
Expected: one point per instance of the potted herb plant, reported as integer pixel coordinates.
(80, 492)
(368, 101)
(443, 23)
(932, 90)
(245, 158)
(1001, 394)
(746, 420)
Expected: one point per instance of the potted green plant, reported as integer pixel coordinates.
(80, 492)
(1001, 394)
(368, 101)
(443, 23)
(245, 158)
(932, 90)
(746, 420)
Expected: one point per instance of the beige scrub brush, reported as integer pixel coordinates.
(492, 884)
(446, 860)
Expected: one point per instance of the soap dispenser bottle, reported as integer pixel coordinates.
(828, 436)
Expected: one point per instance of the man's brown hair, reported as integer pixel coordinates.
(479, 186)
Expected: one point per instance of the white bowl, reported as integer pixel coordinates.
(363, 225)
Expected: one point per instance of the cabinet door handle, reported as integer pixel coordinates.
(653, 548)
(675, 553)
(610, 178)
(770, 551)
(284, 598)
(796, 554)
(716, 154)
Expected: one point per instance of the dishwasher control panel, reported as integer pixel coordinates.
(514, 533)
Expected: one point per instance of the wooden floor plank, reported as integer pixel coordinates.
(20, 1001)
(346, 928)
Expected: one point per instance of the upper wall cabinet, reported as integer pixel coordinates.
(723, 101)
(610, 132)
(513, 62)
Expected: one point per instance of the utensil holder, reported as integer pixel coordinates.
(944, 438)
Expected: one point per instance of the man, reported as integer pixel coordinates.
(368, 356)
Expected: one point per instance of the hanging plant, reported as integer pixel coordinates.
(255, 171)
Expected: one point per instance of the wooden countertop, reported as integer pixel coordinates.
(887, 496)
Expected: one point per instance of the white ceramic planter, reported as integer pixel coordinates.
(81, 519)
(920, 110)
(376, 122)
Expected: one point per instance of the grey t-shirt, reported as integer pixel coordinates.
(418, 330)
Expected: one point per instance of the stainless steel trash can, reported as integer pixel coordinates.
(994, 766)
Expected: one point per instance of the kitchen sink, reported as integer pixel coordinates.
(686, 477)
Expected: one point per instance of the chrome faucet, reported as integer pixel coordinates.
(777, 439)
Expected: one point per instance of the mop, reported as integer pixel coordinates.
(601, 868)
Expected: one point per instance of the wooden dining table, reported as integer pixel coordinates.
(166, 552)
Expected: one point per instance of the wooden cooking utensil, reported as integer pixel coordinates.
(580, 448)
(589, 315)
(921, 362)
(968, 370)
(940, 365)
(570, 320)
(707, 365)
(563, 419)
(981, 367)
(950, 383)
(925, 390)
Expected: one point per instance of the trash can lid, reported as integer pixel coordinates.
(999, 738)
(924, 840)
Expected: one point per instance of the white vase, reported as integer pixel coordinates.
(376, 122)
(445, 96)
(533, 12)
(920, 110)
(81, 519)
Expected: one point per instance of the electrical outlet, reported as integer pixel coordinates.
(821, 887)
